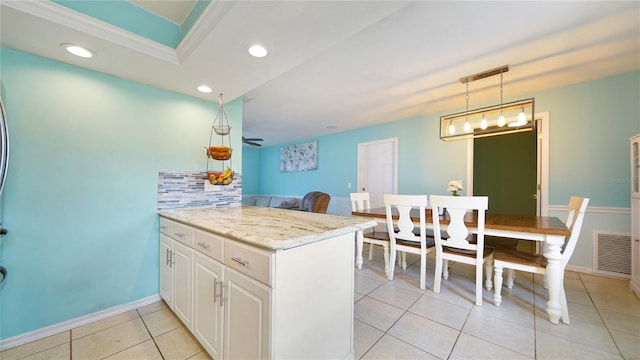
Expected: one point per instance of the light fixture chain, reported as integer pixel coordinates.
(467, 97)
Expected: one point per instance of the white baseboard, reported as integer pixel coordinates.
(74, 323)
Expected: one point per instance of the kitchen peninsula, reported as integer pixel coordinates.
(256, 282)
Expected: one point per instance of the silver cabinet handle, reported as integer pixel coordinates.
(240, 261)
(204, 245)
(223, 298)
(215, 290)
(180, 235)
(168, 257)
(163, 227)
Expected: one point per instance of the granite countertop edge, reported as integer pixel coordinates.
(272, 229)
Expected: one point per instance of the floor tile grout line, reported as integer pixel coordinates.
(601, 318)
(151, 335)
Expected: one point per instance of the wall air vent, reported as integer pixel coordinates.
(612, 254)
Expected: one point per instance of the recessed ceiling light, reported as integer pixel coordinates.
(258, 51)
(78, 50)
(204, 89)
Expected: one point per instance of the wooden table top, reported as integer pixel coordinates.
(549, 225)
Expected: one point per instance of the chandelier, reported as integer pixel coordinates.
(499, 119)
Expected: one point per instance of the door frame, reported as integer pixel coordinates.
(542, 130)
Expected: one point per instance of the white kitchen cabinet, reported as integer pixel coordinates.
(182, 284)
(166, 269)
(246, 314)
(208, 276)
(176, 269)
(261, 302)
(635, 215)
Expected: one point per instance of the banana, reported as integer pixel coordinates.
(226, 173)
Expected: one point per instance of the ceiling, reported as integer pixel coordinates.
(340, 65)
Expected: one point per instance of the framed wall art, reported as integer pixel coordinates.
(299, 157)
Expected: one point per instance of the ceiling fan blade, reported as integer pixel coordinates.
(252, 143)
(252, 139)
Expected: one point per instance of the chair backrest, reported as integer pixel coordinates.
(457, 207)
(404, 224)
(360, 201)
(315, 201)
(575, 216)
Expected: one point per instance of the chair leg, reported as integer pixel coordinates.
(488, 269)
(392, 262)
(510, 276)
(423, 270)
(437, 278)
(403, 260)
(497, 279)
(445, 269)
(370, 251)
(479, 284)
(385, 249)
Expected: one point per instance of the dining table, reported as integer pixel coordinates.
(549, 230)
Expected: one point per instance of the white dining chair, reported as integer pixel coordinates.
(536, 263)
(458, 247)
(360, 201)
(402, 232)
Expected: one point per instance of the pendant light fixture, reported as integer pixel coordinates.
(490, 120)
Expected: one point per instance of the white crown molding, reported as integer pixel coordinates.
(64, 16)
(208, 20)
(74, 323)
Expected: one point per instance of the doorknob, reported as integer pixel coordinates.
(535, 196)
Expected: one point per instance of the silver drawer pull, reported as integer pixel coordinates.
(240, 261)
(163, 227)
(181, 235)
(206, 246)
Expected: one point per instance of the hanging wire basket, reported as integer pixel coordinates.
(220, 152)
(220, 123)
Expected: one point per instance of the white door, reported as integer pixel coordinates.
(246, 316)
(207, 309)
(378, 169)
(166, 270)
(182, 274)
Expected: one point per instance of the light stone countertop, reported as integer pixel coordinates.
(265, 227)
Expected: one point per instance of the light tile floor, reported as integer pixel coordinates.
(397, 320)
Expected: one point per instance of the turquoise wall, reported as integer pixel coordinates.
(80, 197)
(250, 170)
(590, 124)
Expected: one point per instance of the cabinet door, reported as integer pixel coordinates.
(166, 269)
(208, 274)
(182, 286)
(635, 246)
(247, 314)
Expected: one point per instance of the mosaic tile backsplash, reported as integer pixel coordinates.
(185, 189)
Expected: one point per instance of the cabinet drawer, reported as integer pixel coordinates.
(253, 262)
(208, 244)
(177, 231)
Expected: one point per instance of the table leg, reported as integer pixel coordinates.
(555, 275)
(359, 243)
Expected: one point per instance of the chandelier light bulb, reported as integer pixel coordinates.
(452, 128)
(467, 126)
(483, 123)
(522, 118)
(501, 120)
